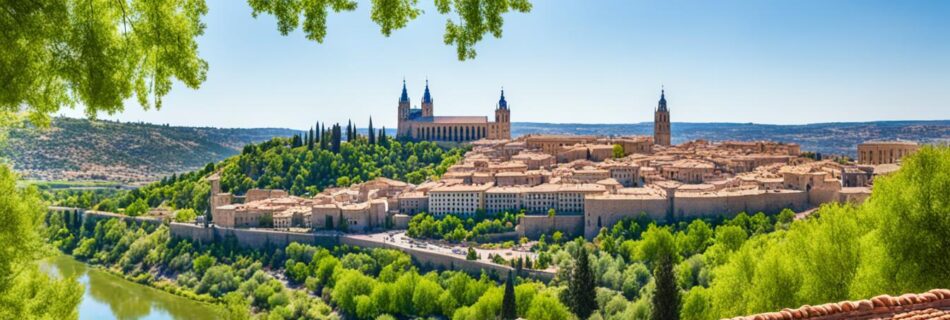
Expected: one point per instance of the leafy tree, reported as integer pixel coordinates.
(185, 215)
(137, 208)
(478, 18)
(666, 298)
(580, 289)
(911, 210)
(618, 151)
(509, 308)
(24, 289)
(471, 255)
(127, 47)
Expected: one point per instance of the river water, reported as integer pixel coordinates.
(110, 297)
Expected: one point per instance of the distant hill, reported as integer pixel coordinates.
(826, 138)
(80, 149)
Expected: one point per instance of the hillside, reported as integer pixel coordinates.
(825, 138)
(80, 149)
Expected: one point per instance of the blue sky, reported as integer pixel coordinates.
(582, 61)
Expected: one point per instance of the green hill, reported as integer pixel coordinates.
(80, 149)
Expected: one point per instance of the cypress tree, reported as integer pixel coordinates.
(666, 298)
(319, 132)
(509, 307)
(310, 140)
(371, 134)
(337, 138)
(580, 290)
(349, 130)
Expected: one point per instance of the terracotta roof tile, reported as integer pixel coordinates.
(934, 304)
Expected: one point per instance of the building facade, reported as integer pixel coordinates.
(661, 122)
(422, 123)
(884, 152)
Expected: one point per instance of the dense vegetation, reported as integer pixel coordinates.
(454, 229)
(360, 283)
(295, 164)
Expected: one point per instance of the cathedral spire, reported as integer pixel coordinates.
(426, 97)
(662, 104)
(502, 104)
(405, 95)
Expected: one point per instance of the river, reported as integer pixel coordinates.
(107, 296)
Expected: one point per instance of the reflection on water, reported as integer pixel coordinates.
(111, 297)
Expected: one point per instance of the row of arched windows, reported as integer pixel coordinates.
(467, 133)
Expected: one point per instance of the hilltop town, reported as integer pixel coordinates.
(574, 184)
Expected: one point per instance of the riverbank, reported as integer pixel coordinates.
(108, 295)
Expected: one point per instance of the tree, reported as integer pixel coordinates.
(471, 255)
(137, 208)
(618, 151)
(666, 298)
(478, 18)
(370, 133)
(581, 289)
(24, 288)
(509, 308)
(551, 213)
(97, 54)
(185, 215)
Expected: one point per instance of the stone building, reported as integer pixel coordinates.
(884, 152)
(423, 124)
(661, 122)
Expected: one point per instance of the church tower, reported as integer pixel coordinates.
(427, 102)
(402, 127)
(502, 118)
(502, 115)
(661, 122)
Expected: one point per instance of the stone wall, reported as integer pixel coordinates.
(687, 205)
(533, 226)
(252, 238)
(607, 210)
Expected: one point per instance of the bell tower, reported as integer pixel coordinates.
(402, 127)
(502, 118)
(661, 122)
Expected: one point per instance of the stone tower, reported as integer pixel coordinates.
(402, 127)
(661, 122)
(502, 118)
(427, 102)
(502, 115)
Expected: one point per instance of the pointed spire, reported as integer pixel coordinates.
(405, 95)
(502, 103)
(661, 106)
(426, 97)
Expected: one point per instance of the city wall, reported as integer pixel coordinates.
(533, 226)
(687, 205)
(252, 238)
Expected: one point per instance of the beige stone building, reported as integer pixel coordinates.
(457, 199)
(423, 124)
(884, 152)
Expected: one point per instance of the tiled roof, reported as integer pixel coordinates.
(934, 304)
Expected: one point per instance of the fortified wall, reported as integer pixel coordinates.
(260, 239)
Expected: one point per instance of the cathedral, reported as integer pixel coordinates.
(661, 122)
(422, 124)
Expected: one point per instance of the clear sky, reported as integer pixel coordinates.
(582, 61)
